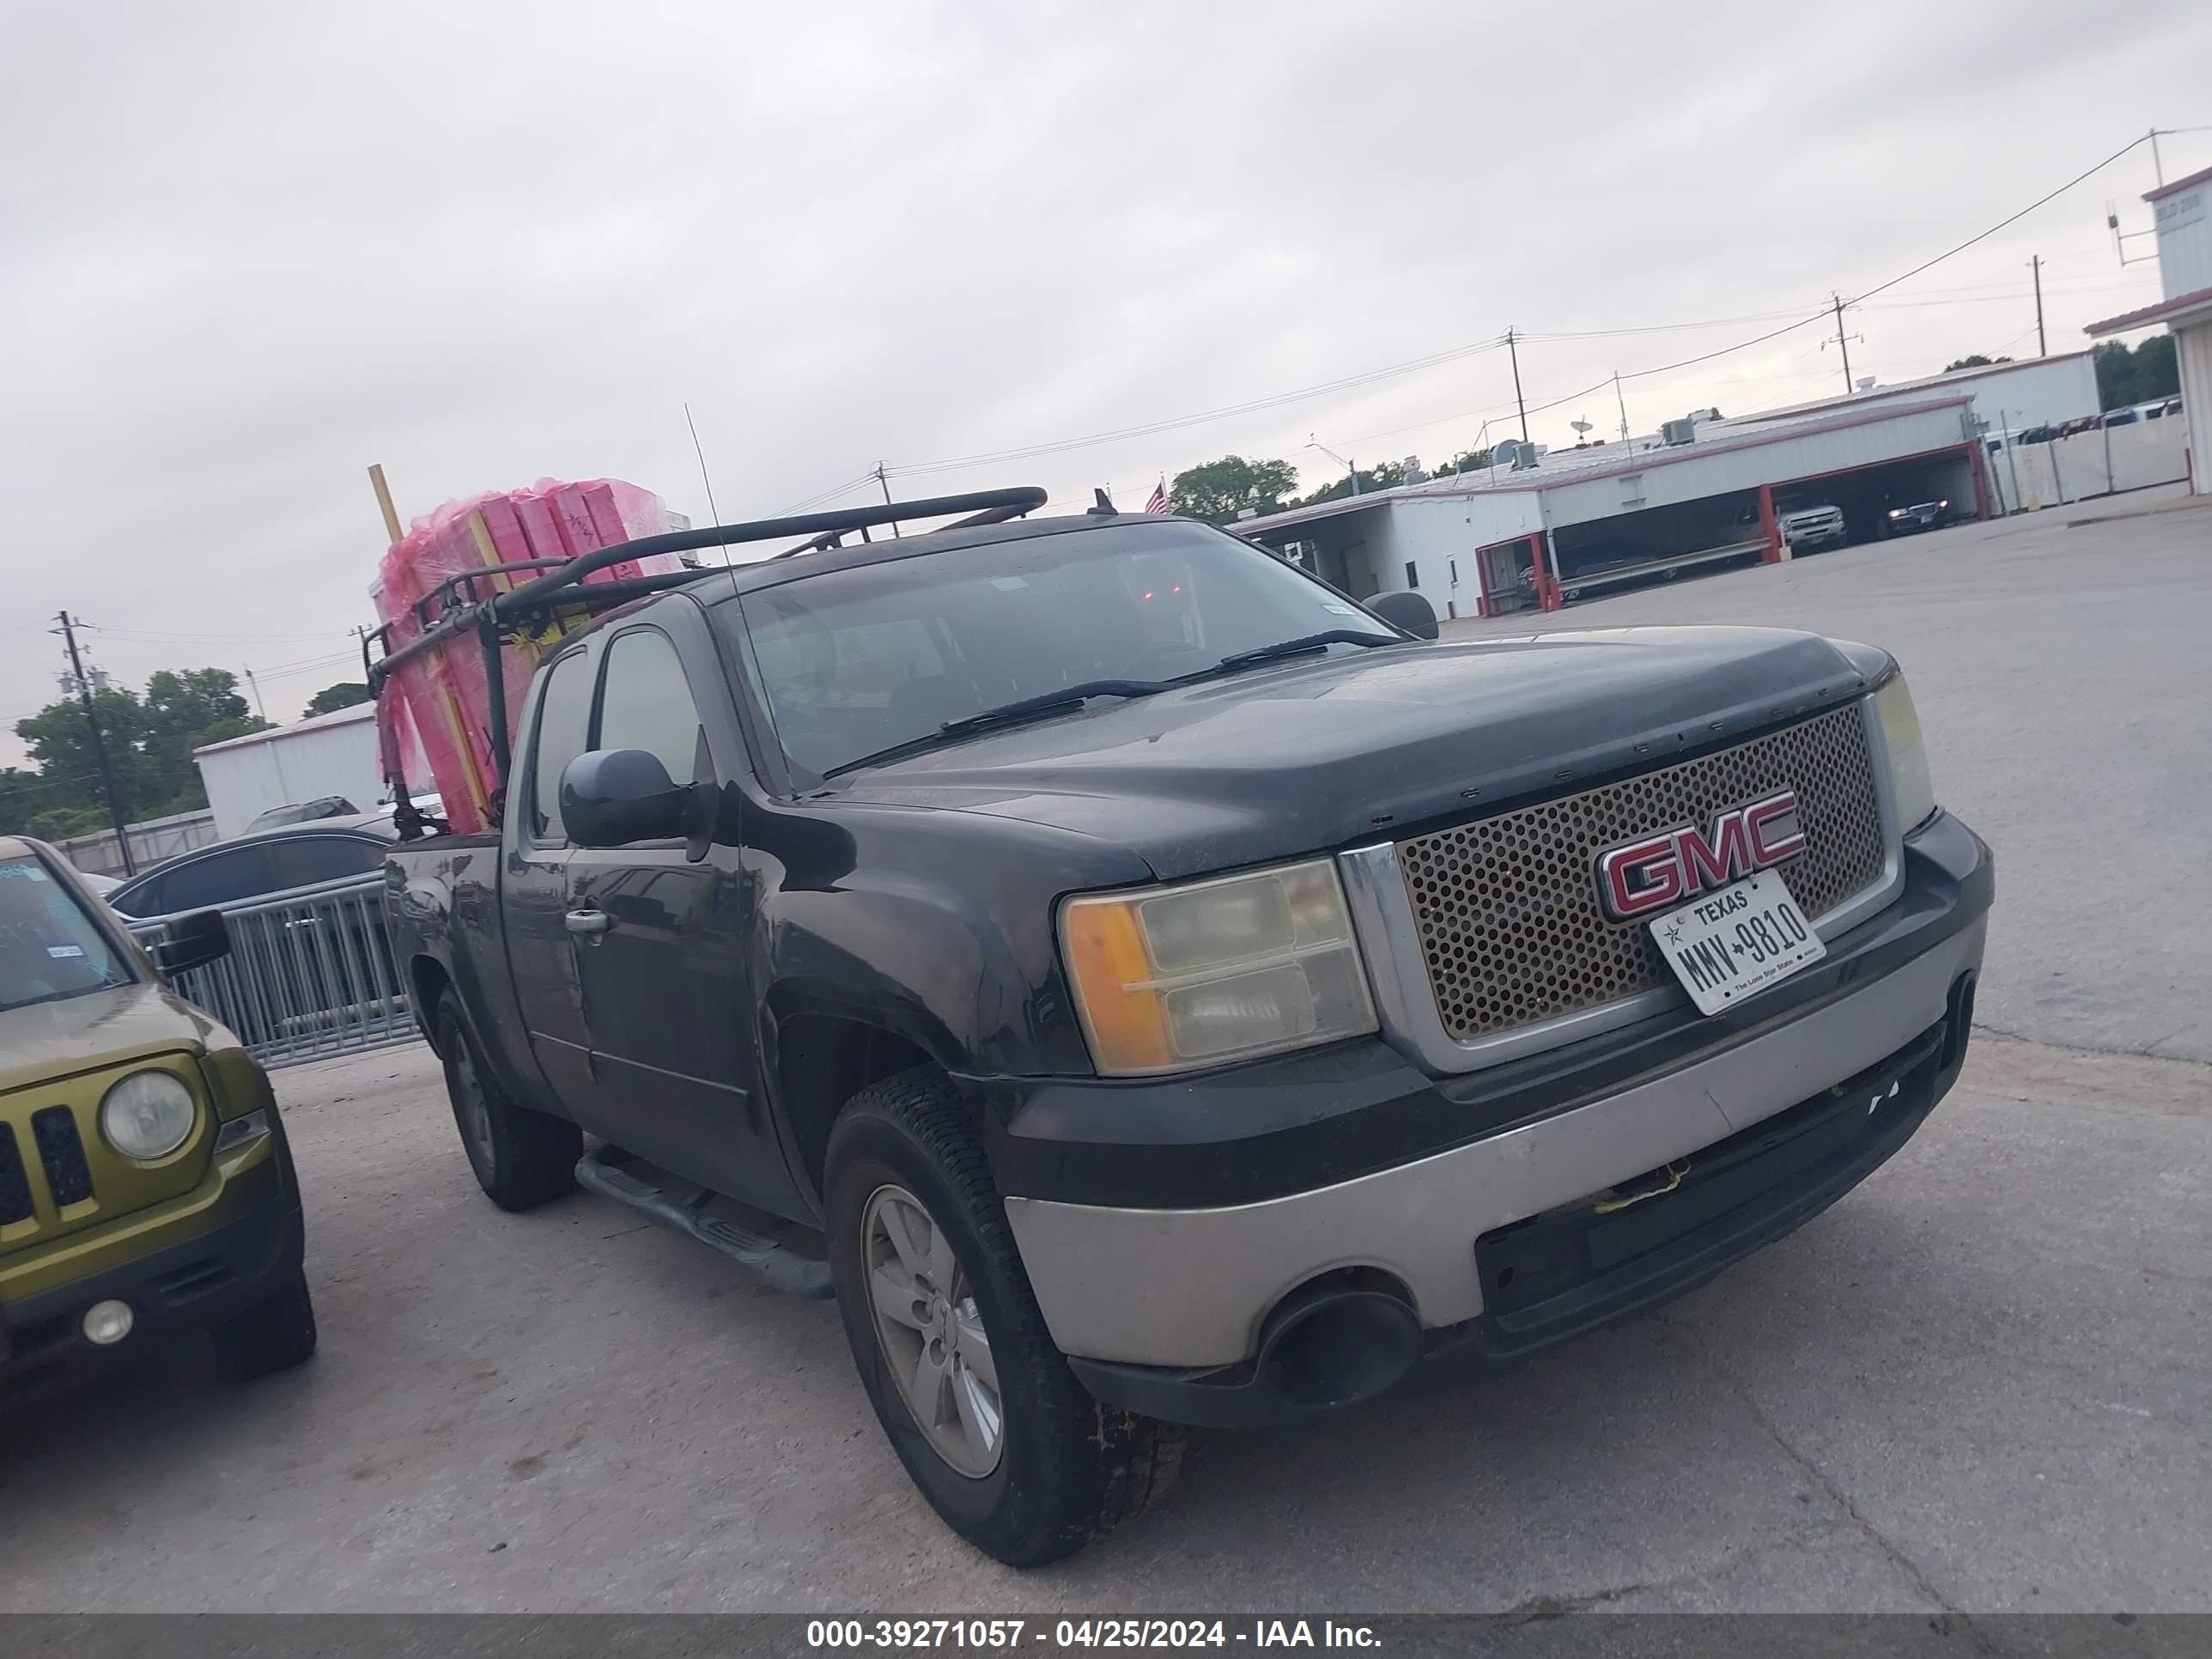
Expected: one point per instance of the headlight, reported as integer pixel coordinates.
(1909, 782)
(1896, 512)
(147, 1116)
(1176, 977)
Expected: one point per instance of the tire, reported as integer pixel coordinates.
(1067, 1469)
(274, 1335)
(521, 1158)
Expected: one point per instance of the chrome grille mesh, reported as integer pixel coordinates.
(1507, 906)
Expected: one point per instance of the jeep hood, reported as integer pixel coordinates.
(1324, 753)
(47, 1041)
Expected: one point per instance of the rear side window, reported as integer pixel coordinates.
(647, 704)
(564, 714)
(210, 882)
(314, 858)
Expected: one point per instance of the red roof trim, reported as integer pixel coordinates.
(2148, 314)
(2165, 190)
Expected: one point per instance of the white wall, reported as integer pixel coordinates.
(2193, 352)
(2036, 475)
(2183, 221)
(1434, 533)
(246, 777)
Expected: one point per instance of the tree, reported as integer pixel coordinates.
(2125, 377)
(1219, 490)
(148, 740)
(331, 698)
(1975, 360)
(1389, 475)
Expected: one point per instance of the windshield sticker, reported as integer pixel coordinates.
(22, 871)
(1009, 584)
(1338, 610)
(66, 952)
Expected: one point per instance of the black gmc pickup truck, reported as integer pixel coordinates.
(1148, 988)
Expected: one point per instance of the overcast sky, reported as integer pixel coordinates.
(246, 249)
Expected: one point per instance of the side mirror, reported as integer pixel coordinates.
(191, 942)
(1406, 609)
(612, 797)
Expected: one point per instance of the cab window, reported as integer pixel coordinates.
(564, 713)
(645, 703)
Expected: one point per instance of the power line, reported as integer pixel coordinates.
(1150, 427)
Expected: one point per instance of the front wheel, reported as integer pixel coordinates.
(1008, 1448)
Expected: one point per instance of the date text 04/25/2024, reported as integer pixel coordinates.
(1012, 1635)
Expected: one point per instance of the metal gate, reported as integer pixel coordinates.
(309, 974)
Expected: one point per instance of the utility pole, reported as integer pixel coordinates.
(255, 686)
(1514, 352)
(2036, 266)
(68, 631)
(2156, 166)
(1845, 343)
(886, 483)
(1623, 402)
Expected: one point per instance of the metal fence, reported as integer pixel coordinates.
(310, 973)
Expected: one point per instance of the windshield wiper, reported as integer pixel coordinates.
(1301, 647)
(1005, 714)
(1046, 702)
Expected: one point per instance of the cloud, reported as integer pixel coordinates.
(253, 248)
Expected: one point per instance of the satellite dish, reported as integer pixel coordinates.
(1580, 426)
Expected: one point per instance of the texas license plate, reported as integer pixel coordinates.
(1733, 944)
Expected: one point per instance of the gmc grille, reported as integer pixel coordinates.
(1507, 906)
(69, 1177)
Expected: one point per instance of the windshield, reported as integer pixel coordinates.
(853, 662)
(49, 947)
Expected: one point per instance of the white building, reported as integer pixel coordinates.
(333, 754)
(2182, 210)
(1508, 540)
(2006, 397)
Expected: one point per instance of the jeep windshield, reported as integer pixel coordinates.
(862, 663)
(50, 947)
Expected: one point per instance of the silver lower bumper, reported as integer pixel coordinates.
(1191, 1288)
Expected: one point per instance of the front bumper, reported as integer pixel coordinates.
(1410, 1181)
(188, 1277)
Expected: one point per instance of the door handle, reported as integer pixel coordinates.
(588, 921)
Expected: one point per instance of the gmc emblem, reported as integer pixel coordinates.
(1655, 871)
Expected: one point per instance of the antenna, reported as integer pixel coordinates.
(1582, 428)
(701, 453)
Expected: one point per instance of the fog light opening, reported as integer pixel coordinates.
(107, 1323)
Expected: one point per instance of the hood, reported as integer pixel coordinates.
(1325, 753)
(50, 1040)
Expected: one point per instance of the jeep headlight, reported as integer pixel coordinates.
(1175, 977)
(1910, 786)
(147, 1116)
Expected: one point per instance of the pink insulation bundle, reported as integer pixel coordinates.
(445, 696)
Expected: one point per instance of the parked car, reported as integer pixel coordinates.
(147, 1193)
(304, 812)
(1916, 515)
(2123, 416)
(1143, 1011)
(319, 961)
(258, 865)
(1809, 528)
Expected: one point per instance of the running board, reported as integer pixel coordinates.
(783, 1254)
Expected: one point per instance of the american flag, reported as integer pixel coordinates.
(1159, 503)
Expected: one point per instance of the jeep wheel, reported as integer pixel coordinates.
(521, 1158)
(981, 1409)
(274, 1335)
